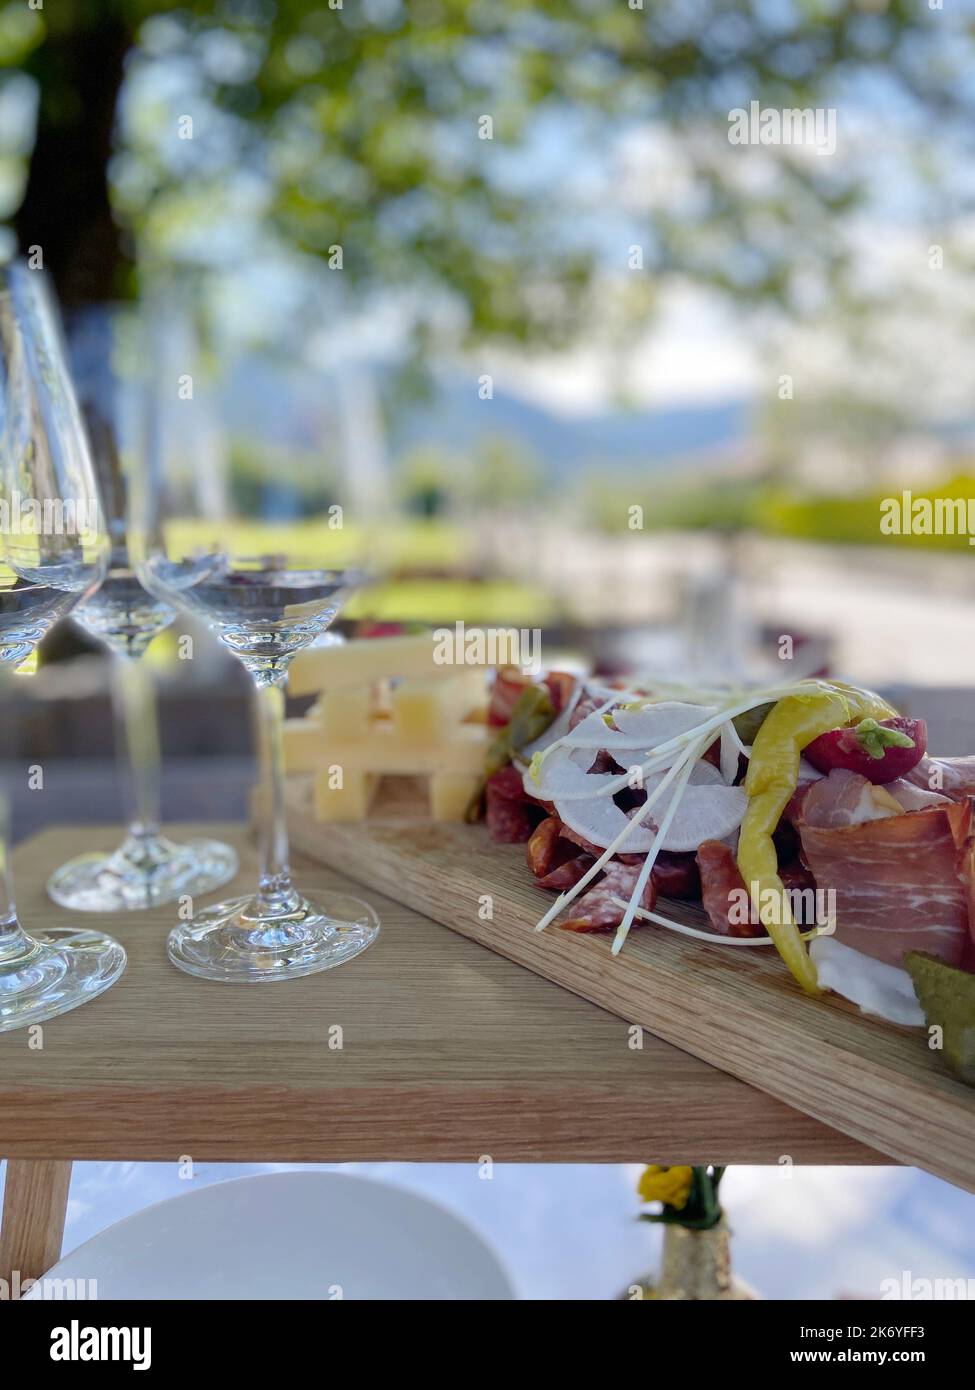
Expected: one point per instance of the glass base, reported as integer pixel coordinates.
(144, 872)
(62, 968)
(243, 942)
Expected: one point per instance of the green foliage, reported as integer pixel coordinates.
(855, 520)
(672, 505)
(308, 483)
(500, 475)
(772, 509)
(362, 122)
(427, 483)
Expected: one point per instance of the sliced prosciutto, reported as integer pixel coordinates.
(953, 777)
(846, 798)
(902, 882)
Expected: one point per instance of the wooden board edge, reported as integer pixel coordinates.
(886, 1122)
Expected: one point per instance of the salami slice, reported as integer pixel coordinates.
(596, 909)
(511, 817)
(543, 847)
(723, 893)
(676, 875)
(567, 875)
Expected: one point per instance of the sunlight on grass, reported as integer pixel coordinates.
(317, 544)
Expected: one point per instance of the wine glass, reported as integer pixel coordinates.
(247, 551)
(148, 868)
(53, 555)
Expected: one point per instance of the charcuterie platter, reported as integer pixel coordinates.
(820, 1011)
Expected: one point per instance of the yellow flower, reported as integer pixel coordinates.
(672, 1186)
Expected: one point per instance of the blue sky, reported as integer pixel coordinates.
(570, 1231)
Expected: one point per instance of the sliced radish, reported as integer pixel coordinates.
(601, 820)
(565, 774)
(732, 749)
(708, 811)
(640, 728)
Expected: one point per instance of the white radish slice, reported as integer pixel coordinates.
(643, 878)
(663, 720)
(565, 774)
(878, 988)
(637, 728)
(703, 774)
(600, 822)
(731, 750)
(705, 813)
(708, 811)
(563, 900)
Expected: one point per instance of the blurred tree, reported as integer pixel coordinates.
(505, 475)
(367, 123)
(429, 482)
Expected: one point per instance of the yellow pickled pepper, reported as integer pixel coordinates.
(773, 775)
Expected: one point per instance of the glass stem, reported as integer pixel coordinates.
(137, 739)
(13, 940)
(276, 893)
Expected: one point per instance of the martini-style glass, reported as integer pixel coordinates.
(214, 543)
(53, 555)
(147, 868)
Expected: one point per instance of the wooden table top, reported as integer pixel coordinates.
(449, 1053)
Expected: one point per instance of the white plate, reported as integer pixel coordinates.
(289, 1236)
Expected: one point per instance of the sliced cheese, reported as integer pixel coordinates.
(346, 803)
(344, 712)
(363, 661)
(423, 709)
(451, 794)
(383, 750)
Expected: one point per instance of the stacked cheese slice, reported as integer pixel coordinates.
(386, 708)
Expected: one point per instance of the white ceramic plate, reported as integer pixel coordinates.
(289, 1236)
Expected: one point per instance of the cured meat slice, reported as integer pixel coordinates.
(676, 875)
(587, 704)
(567, 875)
(549, 847)
(954, 777)
(561, 688)
(913, 797)
(505, 694)
(596, 910)
(724, 896)
(795, 877)
(901, 883)
(541, 847)
(846, 798)
(569, 834)
(511, 817)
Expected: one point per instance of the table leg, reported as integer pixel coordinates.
(35, 1199)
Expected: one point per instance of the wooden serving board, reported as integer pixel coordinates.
(875, 1082)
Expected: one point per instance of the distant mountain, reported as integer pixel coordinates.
(295, 407)
(455, 419)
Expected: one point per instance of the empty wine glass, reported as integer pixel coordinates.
(53, 554)
(247, 550)
(148, 868)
